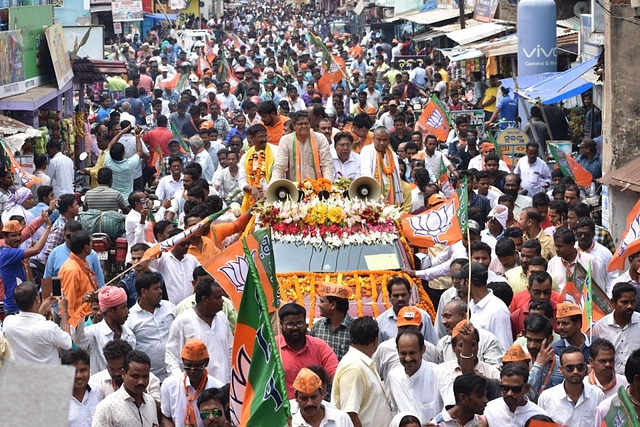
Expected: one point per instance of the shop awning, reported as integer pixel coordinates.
(626, 177)
(526, 81)
(429, 35)
(15, 133)
(478, 32)
(92, 70)
(33, 98)
(434, 16)
(509, 45)
(564, 85)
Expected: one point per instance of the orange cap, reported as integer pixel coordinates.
(515, 353)
(436, 199)
(371, 110)
(567, 309)
(409, 316)
(194, 350)
(486, 146)
(206, 125)
(12, 226)
(334, 290)
(420, 155)
(307, 381)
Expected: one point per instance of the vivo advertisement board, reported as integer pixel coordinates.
(537, 46)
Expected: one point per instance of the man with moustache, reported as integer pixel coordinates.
(470, 391)
(308, 394)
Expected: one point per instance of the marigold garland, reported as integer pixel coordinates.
(374, 294)
(312, 296)
(296, 287)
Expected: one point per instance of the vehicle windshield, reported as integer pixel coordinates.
(296, 257)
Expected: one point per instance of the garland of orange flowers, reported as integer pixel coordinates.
(312, 306)
(388, 171)
(374, 294)
(318, 185)
(257, 172)
(294, 287)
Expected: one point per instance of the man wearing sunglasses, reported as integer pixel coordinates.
(180, 391)
(572, 403)
(514, 408)
(211, 404)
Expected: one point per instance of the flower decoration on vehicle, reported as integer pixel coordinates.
(313, 188)
(370, 288)
(334, 222)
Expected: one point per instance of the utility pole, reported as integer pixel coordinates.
(462, 17)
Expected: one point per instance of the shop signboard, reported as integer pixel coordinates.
(11, 63)
(59, 54)
(513, 143)
(126, 11)
(485, 10)
(404, 62)
(32, 20)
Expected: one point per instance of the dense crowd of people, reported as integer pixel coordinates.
(209, 124)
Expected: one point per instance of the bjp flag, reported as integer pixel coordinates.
(231, 267)
(631, 241)
(581, 289)
(332, 75)
(570, 167)
(433, 120)
(438, 225)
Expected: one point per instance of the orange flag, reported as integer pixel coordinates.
(570, 167)
(433, 120)
(230, 268)
(436, 225)
(332, 76)
(631, 241)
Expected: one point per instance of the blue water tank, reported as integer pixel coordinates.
(537, 47)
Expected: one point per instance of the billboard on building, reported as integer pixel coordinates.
(126, 11)
(59, 54)
(11, 63)
(32, 20)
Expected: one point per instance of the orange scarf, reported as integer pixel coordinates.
(297, 155)
(604, 387)
(389, 190)
(190, 419)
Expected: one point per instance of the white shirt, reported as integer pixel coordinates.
(432, 164)
(579, 414)
(602, 256)
(533, 175)
(498, 413)
(417, 199)
(332, 418)
(80, 413)
(350, 169)
(128, 117)
(441, 265)
(120, 410)
(93, 339)
(228, 102)
(174, 399)
(491, 314)
(102, 380)
(621, 381)
(151, 331)
(477, 163)
(226, 183)
(386, 356)
(625, 340)
(168, 186)
(369, 165)
(521, 203)
(357, 388)
(489, 349)
(135, 232)
(176, 275)
(557, 269)
(35, 339)
(425, 393)
(388, 329)
(217, 337)
(61, 171)
(204, 159)
(297, 105)
(481, 368)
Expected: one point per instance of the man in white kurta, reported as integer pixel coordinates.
(422, 388)
(370, 166)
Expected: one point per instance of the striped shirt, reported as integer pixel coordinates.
(104, 198)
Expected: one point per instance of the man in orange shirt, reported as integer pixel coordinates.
(272, 121)
(207, 243)
(355, 49)
(77, 277)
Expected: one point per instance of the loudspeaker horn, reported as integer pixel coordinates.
(282, 190)
(365, 188)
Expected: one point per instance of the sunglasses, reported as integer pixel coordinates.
(194, 368)
(570, 368)
(516, 389)
(216, 413)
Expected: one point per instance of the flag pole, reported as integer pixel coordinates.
(469, 278)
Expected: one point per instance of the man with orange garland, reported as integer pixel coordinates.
(381, 163)
(303, 154)
(258, 161)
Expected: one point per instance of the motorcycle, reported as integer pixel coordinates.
(112, 257)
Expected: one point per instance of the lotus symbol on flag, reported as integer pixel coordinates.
(436, 119)
(236, 271)
(632, 235)
(434, 223)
